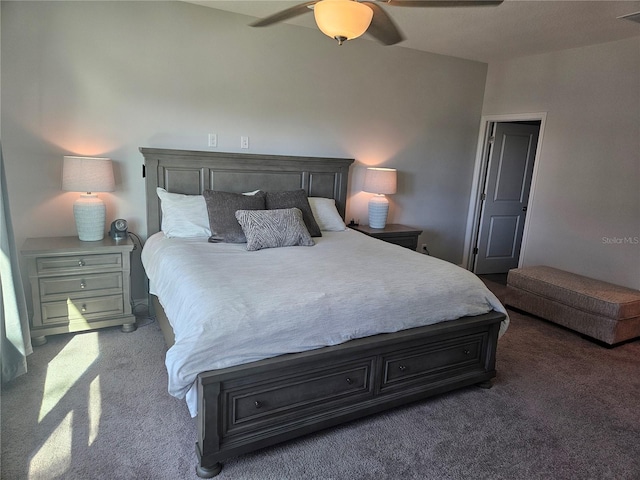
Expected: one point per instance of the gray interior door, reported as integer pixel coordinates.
(505, 197)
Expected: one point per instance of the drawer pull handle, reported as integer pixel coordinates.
(467, 351)
(81, 263)
(82, 284)
(402, 368)
(84, 308)
(258, 404)
(349, 381)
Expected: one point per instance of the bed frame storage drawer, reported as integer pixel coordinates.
(283, 399)
(435, 360)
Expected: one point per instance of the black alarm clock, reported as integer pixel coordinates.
(118, 229)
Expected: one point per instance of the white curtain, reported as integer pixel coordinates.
(15, 342)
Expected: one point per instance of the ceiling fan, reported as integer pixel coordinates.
(349, 19)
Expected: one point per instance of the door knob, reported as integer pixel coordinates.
(524, 209)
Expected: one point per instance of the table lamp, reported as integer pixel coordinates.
(90, 175)
(381, 181)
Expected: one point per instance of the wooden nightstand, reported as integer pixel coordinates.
(78, 285)
(392, 233)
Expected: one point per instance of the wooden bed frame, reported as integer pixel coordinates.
(255, 405)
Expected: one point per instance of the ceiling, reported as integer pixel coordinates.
(514, 29)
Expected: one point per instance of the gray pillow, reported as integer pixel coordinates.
(222, 207)
(295, 199)
(283, 227)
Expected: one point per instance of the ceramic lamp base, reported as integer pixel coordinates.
(378, 210)
(90, 213)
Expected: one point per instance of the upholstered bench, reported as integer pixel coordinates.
(597, 309)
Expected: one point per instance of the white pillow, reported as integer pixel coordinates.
(326, 214)
(183, 215)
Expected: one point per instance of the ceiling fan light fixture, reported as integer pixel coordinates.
(342, 19)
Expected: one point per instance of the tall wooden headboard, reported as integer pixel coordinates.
(192, 172)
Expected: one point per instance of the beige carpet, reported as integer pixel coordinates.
(95, 406)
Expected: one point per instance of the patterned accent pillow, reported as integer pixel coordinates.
(294, 199)
(282, 227)
(222, 207)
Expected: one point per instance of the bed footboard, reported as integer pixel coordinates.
(252, 406)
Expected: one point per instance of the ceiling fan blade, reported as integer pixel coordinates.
(443, 3)
(284, 14)
(382, 27)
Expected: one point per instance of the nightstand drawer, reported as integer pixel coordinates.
(407, 242)
(439, 359)
(78, 263)
(54, 288)
(78, 310)
(392, 233)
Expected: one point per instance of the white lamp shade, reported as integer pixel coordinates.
(87, 174)
(342, 19)
(380, 180)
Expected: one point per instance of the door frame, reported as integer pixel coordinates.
(479, 173)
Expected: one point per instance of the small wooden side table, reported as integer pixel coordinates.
(78, 285)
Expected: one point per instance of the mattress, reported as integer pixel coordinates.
(229, 306)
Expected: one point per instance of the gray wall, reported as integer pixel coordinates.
(585, 212)
(94, 78)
